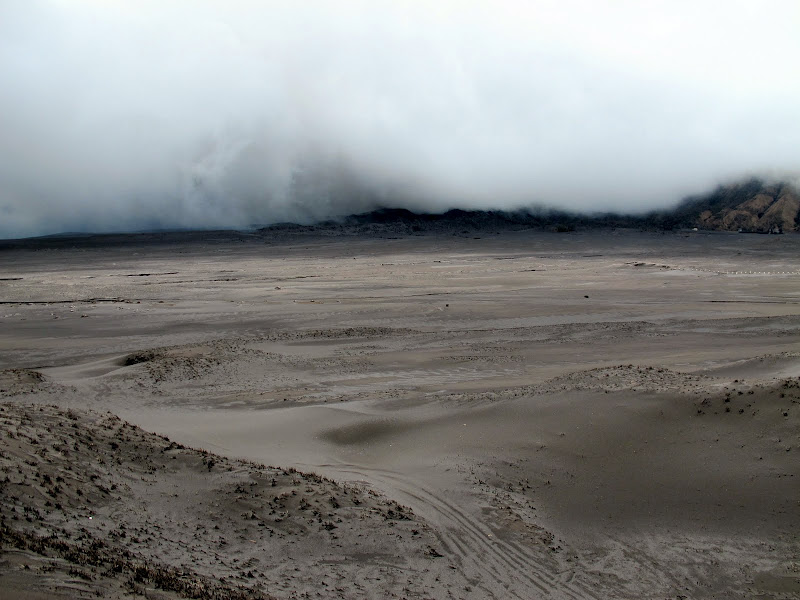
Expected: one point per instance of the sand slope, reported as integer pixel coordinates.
(94, 504)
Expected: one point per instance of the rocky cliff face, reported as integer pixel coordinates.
(751, 206)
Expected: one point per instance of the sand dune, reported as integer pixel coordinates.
(93, 504)
(526, 415)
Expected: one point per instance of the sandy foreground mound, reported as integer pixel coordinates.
(94, 506)
(622, 481)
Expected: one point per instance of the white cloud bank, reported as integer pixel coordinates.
(120, 115)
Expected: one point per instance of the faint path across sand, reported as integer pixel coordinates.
(502, 569)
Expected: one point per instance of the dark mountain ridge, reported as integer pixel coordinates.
(751, 206)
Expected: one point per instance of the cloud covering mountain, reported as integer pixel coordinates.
(130, 115)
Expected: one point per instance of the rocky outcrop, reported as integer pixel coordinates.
(753, 206)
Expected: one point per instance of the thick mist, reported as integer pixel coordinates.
(136, 114)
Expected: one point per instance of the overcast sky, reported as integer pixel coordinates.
(123, 115)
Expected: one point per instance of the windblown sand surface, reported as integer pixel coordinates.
(523, 415)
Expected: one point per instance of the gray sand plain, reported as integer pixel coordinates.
(585, 415)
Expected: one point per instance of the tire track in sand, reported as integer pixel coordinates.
(476, 548)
